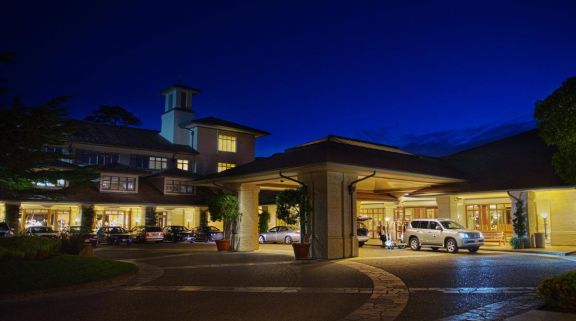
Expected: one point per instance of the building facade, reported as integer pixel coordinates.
(142, 172)
(168, 175)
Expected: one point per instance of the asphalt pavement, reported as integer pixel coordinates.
(194, 282)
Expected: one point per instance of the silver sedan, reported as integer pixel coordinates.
(280, 234)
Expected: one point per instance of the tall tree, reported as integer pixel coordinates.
(113, 115)
(26, 156)
(556, 116)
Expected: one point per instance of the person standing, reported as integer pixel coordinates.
(381, 233)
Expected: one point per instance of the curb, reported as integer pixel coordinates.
(389, 296)
(529, 252)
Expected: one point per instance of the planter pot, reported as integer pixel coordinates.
(301, 250)
(223, 245)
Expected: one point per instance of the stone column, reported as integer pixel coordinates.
(447, 207)
(334, 218)
(248, 227)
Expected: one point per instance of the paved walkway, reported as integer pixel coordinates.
(550, 250)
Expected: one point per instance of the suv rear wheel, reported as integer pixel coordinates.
(415, 244)
(451, 246)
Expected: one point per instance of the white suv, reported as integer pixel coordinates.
(437, 233)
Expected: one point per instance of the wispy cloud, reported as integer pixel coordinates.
(440, 143)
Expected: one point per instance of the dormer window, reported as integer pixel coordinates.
(157, 162)
(179, 186)
(86, 157)
(118, 183)
(182, 164)
(226, 143)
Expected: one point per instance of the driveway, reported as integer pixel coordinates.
(193, 282)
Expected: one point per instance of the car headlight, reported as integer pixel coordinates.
(464, 235)
(480, 235)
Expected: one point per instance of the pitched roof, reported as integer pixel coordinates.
(336, 151)
(521, 161)
(110, 135)
(224, 124)
(193, 90)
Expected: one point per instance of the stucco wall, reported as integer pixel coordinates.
(209, 157)
(561, 206)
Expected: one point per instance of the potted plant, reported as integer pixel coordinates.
(519, 241)
(225, 207)
(293, 206)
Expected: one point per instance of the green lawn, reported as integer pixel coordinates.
(58, 271)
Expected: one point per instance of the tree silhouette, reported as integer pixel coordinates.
(556, 117)
(32, 146)
(113, 115)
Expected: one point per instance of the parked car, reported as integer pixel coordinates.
(280, 234)
(147, 234)
(113, 235)
(85, 232)
(42, 231)
(437, 233)
(5, 230)
(361, 233)
(208, 234)
(176, 233)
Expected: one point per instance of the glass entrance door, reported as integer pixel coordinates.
(490, 218)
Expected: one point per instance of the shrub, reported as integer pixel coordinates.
(33, 248)
(9, 253)
(560, 291)
(263, 220)
(73, 245)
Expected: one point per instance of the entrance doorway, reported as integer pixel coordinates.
(490, 218)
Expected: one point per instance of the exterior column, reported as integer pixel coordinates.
(448, 207)
(248, 227)
(334, 214)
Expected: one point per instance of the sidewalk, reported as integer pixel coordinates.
(539, 315)
(550, 250)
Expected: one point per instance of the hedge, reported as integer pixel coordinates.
(560, 291)
(28, 248)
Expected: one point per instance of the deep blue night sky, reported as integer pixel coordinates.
(431, 76)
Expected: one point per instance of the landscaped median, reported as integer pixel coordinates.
(37, 264)
(560, 291)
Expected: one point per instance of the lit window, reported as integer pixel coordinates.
(226, 143)
(182, 164)
(48, 184)
(117, 183)
(225, 166)
(157, 162)
(180, 187)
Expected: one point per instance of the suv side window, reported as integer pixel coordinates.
(432, 225)
(418, 224)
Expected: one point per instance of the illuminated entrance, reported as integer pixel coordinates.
(490, 218)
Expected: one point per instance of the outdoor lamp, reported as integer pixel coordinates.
(545, 217)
